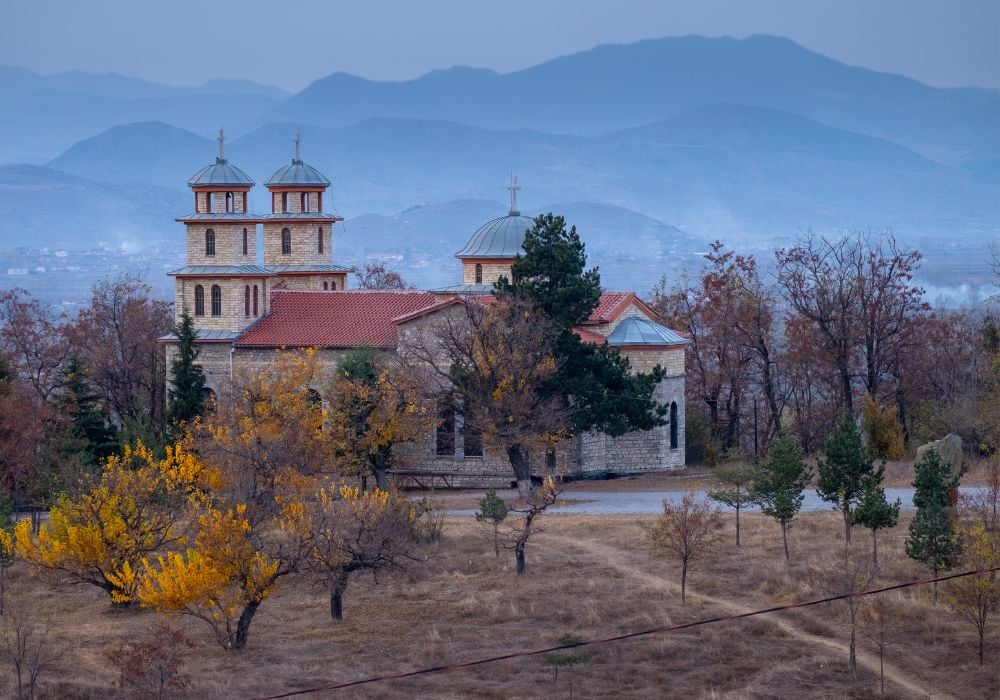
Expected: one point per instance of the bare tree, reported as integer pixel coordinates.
(850, 575)
(522, 529)
(876, 622)
(685, 531)
(977, 598)
(377, 274)
(28, 645)
(34, 338)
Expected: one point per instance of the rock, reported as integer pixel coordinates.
(949, 448)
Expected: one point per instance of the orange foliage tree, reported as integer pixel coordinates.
(138, 506)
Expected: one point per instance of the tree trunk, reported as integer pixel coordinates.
(853, 658)
(337, 588)
(737, 520)
(519, 556)
(522, 470)
(881, 670)
(380, 465)
(243, 625)
(496, 540)
(550, 461)
(847, 523)
(784, 537)
(982, 634)
(684, 576)
(874, 547)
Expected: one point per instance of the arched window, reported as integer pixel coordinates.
(286, 242)
(199, 300)
(284, 201)
(246, 300)
(674, 441)
(305, 202)
(208, 202)
(333, 285)
(246, 242)
(209, 242)
(216, 300)
(319, 241)
(325, 287)
(479, 273)
(229, 202)
(255, 307)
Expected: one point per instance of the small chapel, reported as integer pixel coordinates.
(248, 305)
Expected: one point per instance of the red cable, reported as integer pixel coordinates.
(620, 637)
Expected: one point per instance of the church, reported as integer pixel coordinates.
(245, 312)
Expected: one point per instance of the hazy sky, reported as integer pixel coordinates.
(290, 43)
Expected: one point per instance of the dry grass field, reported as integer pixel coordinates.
(588, 576)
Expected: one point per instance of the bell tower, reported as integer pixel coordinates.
(221, 286)
(298, 233)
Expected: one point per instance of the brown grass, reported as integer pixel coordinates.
(589, 576)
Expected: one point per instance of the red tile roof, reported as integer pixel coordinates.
(612, 304)
(333, 319)
(590, 337)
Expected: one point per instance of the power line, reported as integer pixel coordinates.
(620, 637)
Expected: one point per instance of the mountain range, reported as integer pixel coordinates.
(654, 147)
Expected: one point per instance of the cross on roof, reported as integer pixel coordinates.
(222, 145)
(513, 195)
(298, 145)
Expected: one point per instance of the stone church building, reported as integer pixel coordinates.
(245, 312)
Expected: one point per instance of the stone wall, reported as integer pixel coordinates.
(219, 201)
(492, 271)
(228, 244)
(311, 283)
(294, 202)
(233, 317)
(305, 250)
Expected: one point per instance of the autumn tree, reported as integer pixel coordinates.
(977, 597)
(377, 275)
(983, 505)
(874, 511)
(7, 552)
(272, 421)
(876, 624)
(34, 340)
(28, 644)
(736, 480)
(850, 576)
(686, 531)
(843, 472)
(117, 337)
(152, 666)
(932, 539)
(882, 429)
(351, 531)
(186, 395)
(374, 404)
(102, 534)
(494, 363)
(778, 484)
(25, 431)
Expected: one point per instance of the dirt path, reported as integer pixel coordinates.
(618, 559)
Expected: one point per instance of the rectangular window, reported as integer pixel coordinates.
(446, 432)
(473, 440)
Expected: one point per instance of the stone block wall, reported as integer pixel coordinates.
(228, 244)
(311, 283)
(305, 249)
(294, 202)
(492, 271)
(219, 201)
(233, 288)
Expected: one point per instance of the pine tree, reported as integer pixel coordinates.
(595, 380)
(779, 483)
(737, 479)
(88, 433)
(493, 511)
(187, 396)
(932, 539)
(875, 512)
(843, 473)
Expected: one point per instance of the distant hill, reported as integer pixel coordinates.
(719, 171)
(618, 86)
(42, 207)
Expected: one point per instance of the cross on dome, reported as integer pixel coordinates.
(513, 195)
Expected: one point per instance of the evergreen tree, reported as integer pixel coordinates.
(493, 511)
(933, 540)
(187, 395)
(779, 483)
(736, 480)
(594, 380)
(87, 430)
(875, 512)
(843, 473)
